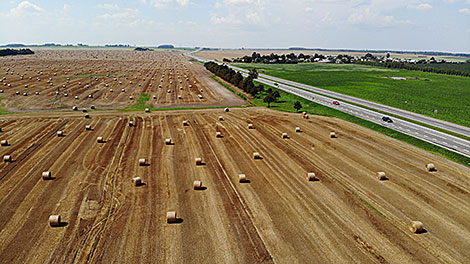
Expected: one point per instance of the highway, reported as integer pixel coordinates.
(324, 97)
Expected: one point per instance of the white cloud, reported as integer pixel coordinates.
(25, 7)
(368, 17)
(108, 7)
(464, 11)
(423, 6)
(126, 13)
(224, 20)
(168, 3)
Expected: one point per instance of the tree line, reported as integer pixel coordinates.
(459, 69)
(236, 78)
(12, 52)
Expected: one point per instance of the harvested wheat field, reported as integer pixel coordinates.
(307, 198)
(107, 79)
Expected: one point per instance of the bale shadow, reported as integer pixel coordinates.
(141, 184)
(423, 231)
(49, 179)
(61, 224)
(203, 188)
(246, 181)
(145, 165)
(201, 164)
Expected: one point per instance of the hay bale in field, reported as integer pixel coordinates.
(110, 90)
(75, 108)
(198, 161)
(25, 94)
(154, 97)
(312, 177)
(169, 91)
(87, 116)
(7, 158)
(197, 185)
(17, 93)
(131, 97)
(4, 142)
(123, 90)
(142, 162)
(284, 135)
(185, 123)
(430, 167)
(199, 96)
(92, 107)
(76, 97)
(332, 135)
(179, 97)
(221, 118)
(306, 116)
(381, 176)
(90, 96)
(190, 86)
(137, 181)
(100, 139)
(54, 220)
(250, 126)
(226, 109)
(131, 123)
(242, 178)
(66, 94)
(416, 227)
(1, 91)
(168, 141)
(171, 217)
(46, 175)
(60, 133)
(298, 130)
(256, 155)
(218, 134)
(202, 91)
(87, 127)
(147, 110)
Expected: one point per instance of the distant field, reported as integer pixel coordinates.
(421, 93)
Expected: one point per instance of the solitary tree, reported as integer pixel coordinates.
(269, 99)
(253, 73)
(297, 106)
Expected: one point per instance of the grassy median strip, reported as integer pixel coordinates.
(286, 103)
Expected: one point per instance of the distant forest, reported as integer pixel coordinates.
(12, 52)
(459, 69)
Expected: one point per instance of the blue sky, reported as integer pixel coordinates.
(441, 25)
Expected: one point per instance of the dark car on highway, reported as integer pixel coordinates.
(387, 119)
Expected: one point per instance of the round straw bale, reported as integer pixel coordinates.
(154, 97)
(76, 97)
(416, 227)
(311, 176)
(197, 185)
(123, 90)
(147, 110)
(297, 129)
(131, 123)
(306, 116)
(4, 142)
(256, 155)
(430, 167)
(218, 134)
(168, 141)
(60, 133)
(92, 107)
(142, 162)
(284, 135)
(171, 217)
(332, 135)
(250, 126)
(221, 118)
(100, 139)
(185, 123)
(198, 161)
(75, 108)
(381, 175)
(226, 109)
(7, 158)
(46, 175)
(137, 181)
(87, 127)
(131, 97)
(179, 97)
(242, 178)
(54, 220)
(87, 116)
(111, 90)
(169, 91)
(90, 96)
(66, 94)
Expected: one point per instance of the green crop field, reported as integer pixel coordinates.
(421, 93)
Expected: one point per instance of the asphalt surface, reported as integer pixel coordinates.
(323, 97)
